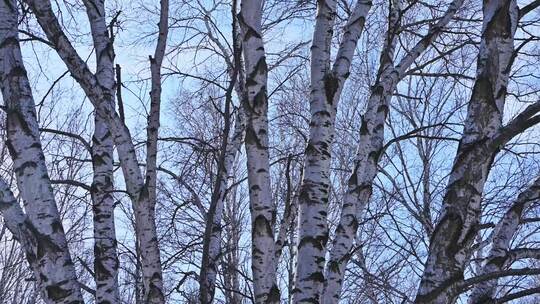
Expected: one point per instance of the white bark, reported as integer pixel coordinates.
(359, 186)
(19, 225)
(289, 214)
(49, 255)
(209, 267)
(500, 254)
(457, 227)
(341, 70)
(313, 196)
(230, 148)
(143, 208)
(371, 143)
(105, 255)
(263, 263)
(14, 217)
(152, 275)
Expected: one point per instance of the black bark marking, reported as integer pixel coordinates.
(56, 293)
(317, 277)
(331, 86)
(9, 41)
(310, 240)
(261, 226)
(274, 296)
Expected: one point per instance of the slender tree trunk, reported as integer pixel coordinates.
(153, 278)
(263, 264)
(230, 148)
(212, 250)
(341, 69)
(289, 213)
(50, 258)
(230, 258)
(371, 141)
(500, 254)
(457, 227)
(105, 255)
(17, 223)
(360, 183)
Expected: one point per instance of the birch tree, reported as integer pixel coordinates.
(501, 254)
(348, 193)
(135, 183)
(371, 142)
(229, 150)
(457, 227)
(326, 86)
(372, 137)
(39, 230)
(105, 256)
(258, 161)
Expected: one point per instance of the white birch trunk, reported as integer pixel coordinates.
(209, 268)
(231, 147)
(106, 261)
(356, 196)
(144, 209)
(14, 218)
(313, 196)
(50, 258)
(263, 263)
(500, 254)
(148, 243)
(289, 214)
(105, 255)
(371, 143)
(457, 227)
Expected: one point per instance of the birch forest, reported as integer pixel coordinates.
(270, 151)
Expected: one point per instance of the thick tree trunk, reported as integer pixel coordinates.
(500, 254)
(105, 255)
(263, 264)
(50, 258)
(456, 229)
(313, 196)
